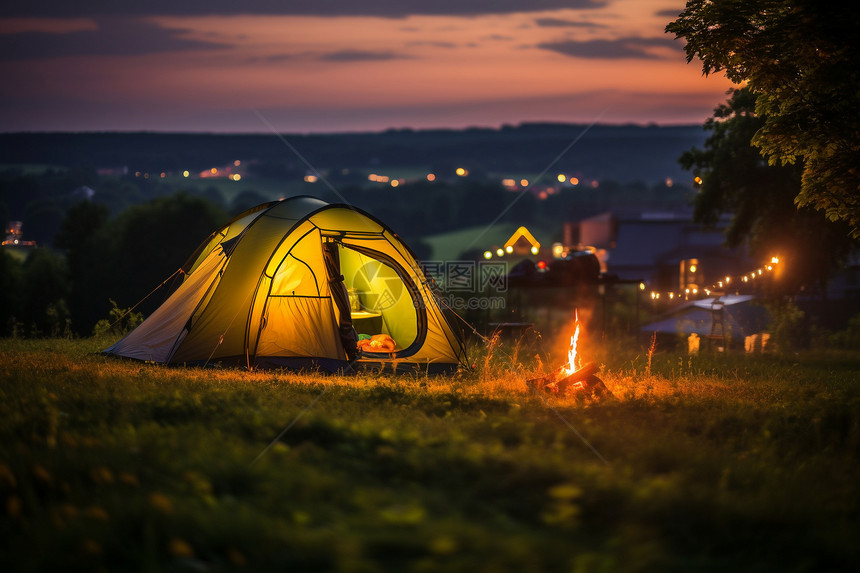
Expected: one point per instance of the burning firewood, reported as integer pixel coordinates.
(571, 376)
(581, 381)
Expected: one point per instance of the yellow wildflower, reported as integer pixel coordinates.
(178, 547)
(161, 502)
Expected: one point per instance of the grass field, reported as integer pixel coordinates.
(703, 463)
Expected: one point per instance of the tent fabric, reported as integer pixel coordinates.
(291, 284)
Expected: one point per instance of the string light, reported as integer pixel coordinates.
(693, 292)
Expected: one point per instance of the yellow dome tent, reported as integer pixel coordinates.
(294, 284)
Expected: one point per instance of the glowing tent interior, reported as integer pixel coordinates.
(295, 284)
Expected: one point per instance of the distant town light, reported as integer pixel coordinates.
(697, 180)
(524, 182)
(395, 182)
(462, 172)
(310, 178)
(236, 177)
(562, 177)
(185, 173)
(574, 181)
(431, 177)
(641, 286)
(237, 163)
(669, 182)
(214, 171)
(774, 260)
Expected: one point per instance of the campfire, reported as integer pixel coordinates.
(574, 375)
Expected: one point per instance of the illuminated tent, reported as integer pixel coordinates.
(293, 284)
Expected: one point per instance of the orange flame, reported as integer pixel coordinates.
(574, 362)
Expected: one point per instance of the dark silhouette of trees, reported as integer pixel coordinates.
(799, 59)
(760, 197)
(125, 258)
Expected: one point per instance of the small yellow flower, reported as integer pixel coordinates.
(69, 510)
(101, 474)
(161, 502)
(6, 476)
(178, 547)
(40, 473)
(92, 547)
(236, 557)
(443, 545)
(97, 512)
(13, 506)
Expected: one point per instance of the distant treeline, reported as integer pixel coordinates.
(620, 153)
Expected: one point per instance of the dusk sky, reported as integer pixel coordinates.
(340, 65)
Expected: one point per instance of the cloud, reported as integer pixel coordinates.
(671, 13)
(383, 8)
(622, 48)
(360, 56)
(444, 45)
(113, 36)
(559, 23)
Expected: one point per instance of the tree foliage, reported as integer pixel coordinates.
(735, 178)
(801, 61)
(124, 258)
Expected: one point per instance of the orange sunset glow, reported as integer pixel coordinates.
(162, 70)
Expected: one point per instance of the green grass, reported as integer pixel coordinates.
(713, 463)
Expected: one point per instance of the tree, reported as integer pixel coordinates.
(80, 237)
(735, 178)
(45, 277)
(11, 291)
(125, 258)
(800, 60)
